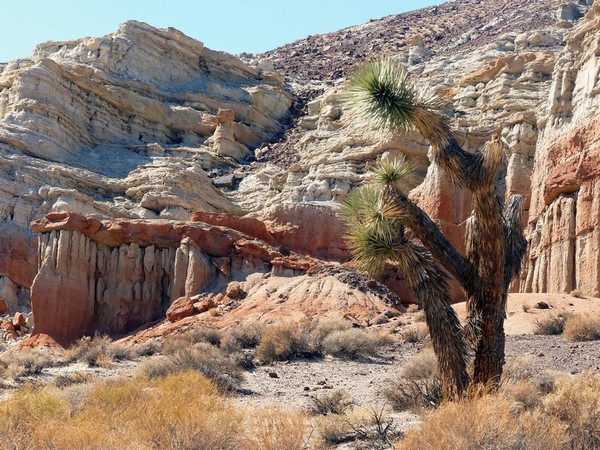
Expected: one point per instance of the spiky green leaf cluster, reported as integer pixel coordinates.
(372, 238)
(380, 92)
(391, 173)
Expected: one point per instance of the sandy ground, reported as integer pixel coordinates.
(294, 382)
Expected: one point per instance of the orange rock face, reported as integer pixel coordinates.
(112, 277)
(306, 229)
(18, 261)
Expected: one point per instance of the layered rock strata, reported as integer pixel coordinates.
(112, 277)
(564, 225)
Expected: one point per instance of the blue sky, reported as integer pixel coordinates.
(231, 25)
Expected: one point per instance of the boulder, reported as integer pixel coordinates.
(180, 308)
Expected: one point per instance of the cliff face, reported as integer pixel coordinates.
(565, 209)
(118, 140)
(130, 125)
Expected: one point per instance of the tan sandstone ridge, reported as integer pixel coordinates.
(148, 142)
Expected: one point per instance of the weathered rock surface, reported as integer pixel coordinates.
(146, 126)
(117, 126)
(564, 223)
(112, 277)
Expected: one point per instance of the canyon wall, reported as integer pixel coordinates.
(155, 169)
(564, 221)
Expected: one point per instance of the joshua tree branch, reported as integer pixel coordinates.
(396, 205)
(430, 286)
(516, 244)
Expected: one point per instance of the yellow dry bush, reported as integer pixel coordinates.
(582, 327)
(576, 402)
(486, 422)
(28, 409)
(274, 428)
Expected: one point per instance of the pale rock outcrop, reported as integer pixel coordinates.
(116, 126)
(223, 141)
(564, 230)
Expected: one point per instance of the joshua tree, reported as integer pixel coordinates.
(380, 92)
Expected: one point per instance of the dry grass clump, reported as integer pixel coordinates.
(578, 293)
(25, 363)
(413, 395)
(418, 386)
(416, 332)
(421, 366)
(204, 358)
(527, 414)
(181, 411)
(336, 402)
(582, 327)
(354, 343)
(550, 325)
(486, 422)
(243, 337)
(69, 379)
(576, 403)
(173, 343)
(147, 348)
(367, 427)
(316, 338)
(99, 351)
(274, 428)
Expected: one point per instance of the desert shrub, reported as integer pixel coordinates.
(582, 327)
(323, 328)
(421, 366)
(578, 293)
(416, 332)
(203, 358)
(315, 338)
(69, 379)
(147, 348)
(353, 343)
(246, 336)
(576, 403)
(413, 395)
(185, 411)
(275, 428)
(280, 342)
(518, 369)
(524, 394)
(25, 363)
(99, 351)
(335, 402)
(179, 411)
(175, 342)
(550, 325)
(484, 423)
(26, 409)
(333, 430)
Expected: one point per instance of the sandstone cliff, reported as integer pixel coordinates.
(131, 133)
(564, 222)
(131, 125)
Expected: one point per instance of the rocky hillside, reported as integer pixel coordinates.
(451, 28)
(166, 170)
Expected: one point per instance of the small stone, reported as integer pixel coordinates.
(306, 388)
(19, 320)
(224, 181)
(542, 305)
(273, 375)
